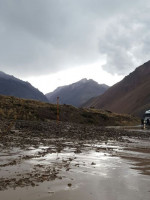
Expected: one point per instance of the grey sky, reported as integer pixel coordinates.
(45, 36)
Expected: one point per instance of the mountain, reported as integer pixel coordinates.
(77, 93)
(11, 86)
(131, 95)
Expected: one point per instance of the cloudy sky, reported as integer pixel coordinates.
(56, 42)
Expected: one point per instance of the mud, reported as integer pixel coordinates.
(70, 161)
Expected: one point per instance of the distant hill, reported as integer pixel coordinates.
(11, 86)
(131, 95)
(77, 93)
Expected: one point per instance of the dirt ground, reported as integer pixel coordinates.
(40, 160)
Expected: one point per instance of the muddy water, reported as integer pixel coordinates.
(138, 128)
(96, 171)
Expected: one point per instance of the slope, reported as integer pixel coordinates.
(77, 93)
(131, 95)
(11, 86)
(13, 109)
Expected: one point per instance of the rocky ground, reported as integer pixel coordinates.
(35, 152)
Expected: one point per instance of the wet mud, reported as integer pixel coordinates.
(70, 161)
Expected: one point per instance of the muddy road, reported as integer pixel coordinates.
(41, 161)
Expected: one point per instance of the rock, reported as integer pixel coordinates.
(69, 184)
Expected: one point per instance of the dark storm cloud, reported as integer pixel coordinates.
(44, 36)
(125, 42)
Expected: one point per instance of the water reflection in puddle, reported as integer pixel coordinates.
(97, 171)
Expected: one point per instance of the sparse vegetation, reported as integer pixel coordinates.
(12, 108)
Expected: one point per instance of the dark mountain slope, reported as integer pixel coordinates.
(11, 86)
(131, 95)
(77, 93)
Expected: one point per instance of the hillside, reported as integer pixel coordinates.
(77, 93)
(12, 108)
(131, 95)
(11, 86)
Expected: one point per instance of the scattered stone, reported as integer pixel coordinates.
(56, 139)
(78, 151)
(69, 184)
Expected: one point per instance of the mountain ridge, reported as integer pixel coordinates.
(12, 86)
(77, 93)
(131, 95)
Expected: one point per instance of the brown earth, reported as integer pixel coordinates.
(19, 109)
(64, 160)
(131, 95)
(55, 138)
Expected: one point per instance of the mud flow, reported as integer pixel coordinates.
(71, 162)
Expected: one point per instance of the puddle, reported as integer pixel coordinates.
(138, 128)
(72, 169)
